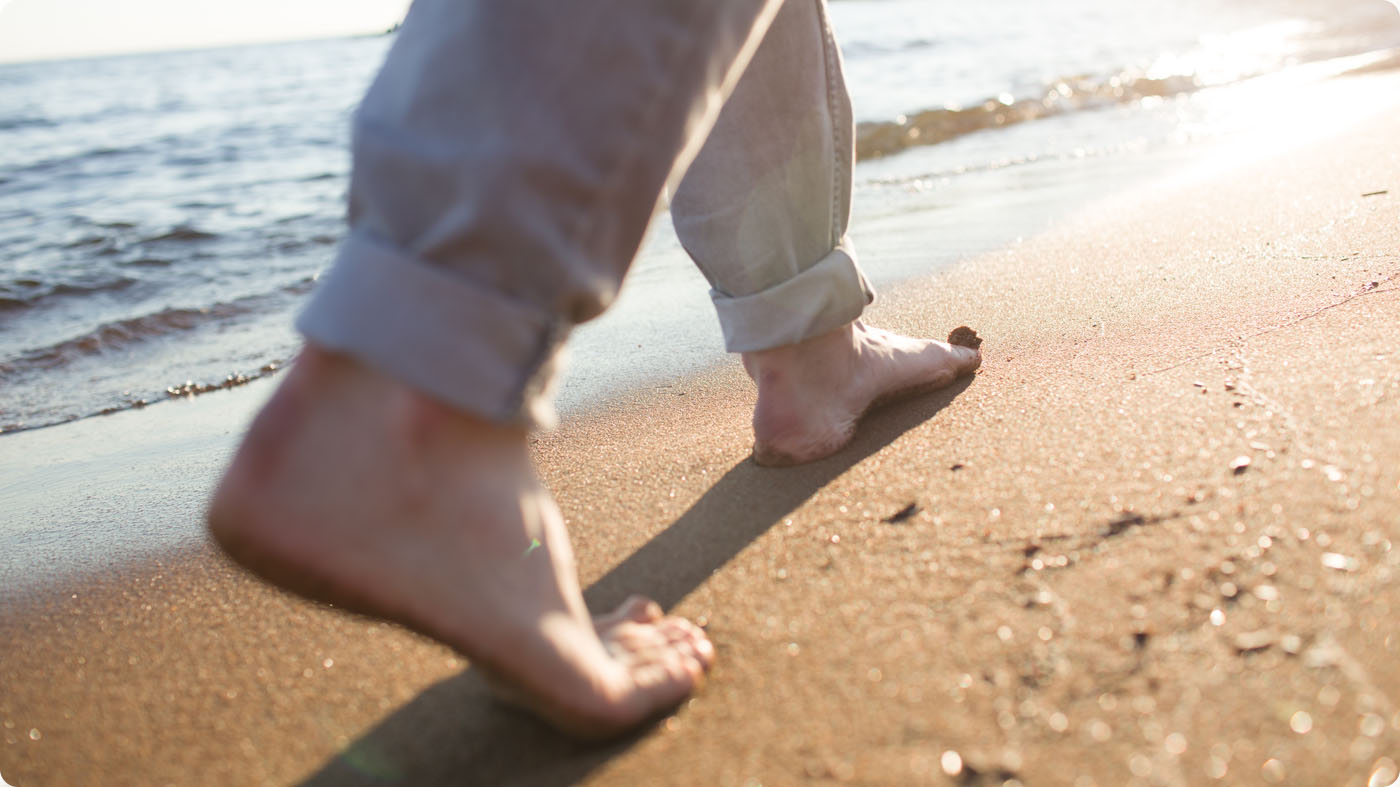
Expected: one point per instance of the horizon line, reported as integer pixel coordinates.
(73, 57)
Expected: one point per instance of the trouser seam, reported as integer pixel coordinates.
(837, 136)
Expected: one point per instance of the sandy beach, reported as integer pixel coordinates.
(1153, 541)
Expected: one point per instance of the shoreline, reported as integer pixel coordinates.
(1081, 515)
(194, 434)
(964, 200)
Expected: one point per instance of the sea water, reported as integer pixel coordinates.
(163, 216)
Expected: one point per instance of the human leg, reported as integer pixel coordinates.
(764, 208)
(506, 163)
(764, 211)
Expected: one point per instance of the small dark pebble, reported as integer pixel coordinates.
(964, 336)
(955, 468)
(903, 513)
(1125, 522)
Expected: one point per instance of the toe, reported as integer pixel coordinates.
(659, 682)
(683, 673)
(639, 609)
(636, 609)
(690, 640)
(703, 650)
(968, 358)
(642, 609)
(651, 667)
(630, 641)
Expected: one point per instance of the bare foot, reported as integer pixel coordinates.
(810, 395)
(355, 490)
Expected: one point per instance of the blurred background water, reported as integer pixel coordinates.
(163, 216)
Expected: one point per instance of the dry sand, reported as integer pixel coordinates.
(1152, 542)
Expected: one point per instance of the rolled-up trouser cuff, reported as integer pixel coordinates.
(438, 332)
(821, 298)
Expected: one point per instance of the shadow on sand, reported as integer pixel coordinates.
(453, 733)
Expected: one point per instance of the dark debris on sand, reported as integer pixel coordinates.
(964, 336)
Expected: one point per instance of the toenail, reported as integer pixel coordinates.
(705, 648)
(695, 666)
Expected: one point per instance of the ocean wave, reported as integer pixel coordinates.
(15, 124)
(86, 241)
(72, 161)
(120, 335)
(1072, 94)
(123, 335)
(291, 245)
(864, 48)
(24, 293)
(1316, 34)
(183, 232)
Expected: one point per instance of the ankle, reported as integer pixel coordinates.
(322, 374)
(779, 363)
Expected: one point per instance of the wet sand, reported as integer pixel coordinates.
(1152, 541)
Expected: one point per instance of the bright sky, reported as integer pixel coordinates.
(44, 29)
